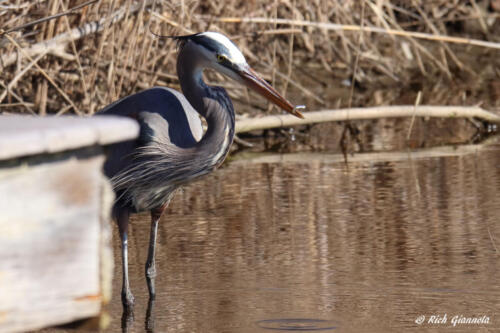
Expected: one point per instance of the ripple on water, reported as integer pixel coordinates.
(297, 324)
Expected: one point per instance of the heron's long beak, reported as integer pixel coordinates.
(255, 82)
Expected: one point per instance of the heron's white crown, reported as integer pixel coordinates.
(234, 54)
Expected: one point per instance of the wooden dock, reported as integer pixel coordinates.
(56, 258)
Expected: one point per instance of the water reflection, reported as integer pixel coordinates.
(369, 246)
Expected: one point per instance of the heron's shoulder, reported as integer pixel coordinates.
(164, 92)
(156, 99)
(162, 113)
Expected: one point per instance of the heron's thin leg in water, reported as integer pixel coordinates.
(127, 297)
(150, 263)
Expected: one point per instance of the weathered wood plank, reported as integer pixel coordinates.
(28, 135)
(52, 257)
(56, 258)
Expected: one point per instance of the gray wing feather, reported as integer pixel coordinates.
(165, 116)
(165, 103)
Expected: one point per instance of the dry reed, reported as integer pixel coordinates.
(314, 64)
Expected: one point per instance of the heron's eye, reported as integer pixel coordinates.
(221, 58)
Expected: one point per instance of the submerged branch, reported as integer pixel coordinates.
(378, 112)
(369, 157)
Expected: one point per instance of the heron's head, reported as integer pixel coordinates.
(221, 54)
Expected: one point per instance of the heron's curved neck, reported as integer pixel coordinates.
(212, 103)
(189, 71)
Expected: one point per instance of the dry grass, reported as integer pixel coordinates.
(311, 63)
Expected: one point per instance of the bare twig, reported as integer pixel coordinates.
(54, 84)
(346, 27)
(59, 42)
(417, 103)
(77, 57)
(19, 75)
(45, 19)
(19, 99)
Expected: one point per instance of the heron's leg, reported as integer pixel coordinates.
(150, 318)
(122, 219)
(150, 263)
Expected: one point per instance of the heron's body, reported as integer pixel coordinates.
(172, 149)
(147, 171)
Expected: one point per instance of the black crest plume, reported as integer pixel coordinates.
(179, 39)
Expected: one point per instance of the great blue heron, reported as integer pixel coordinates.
(171, 149)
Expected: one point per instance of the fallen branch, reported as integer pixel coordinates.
(57, 44)
(400, 111)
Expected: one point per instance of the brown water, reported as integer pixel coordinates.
(307, 243)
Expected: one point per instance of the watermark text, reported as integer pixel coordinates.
(453, 320)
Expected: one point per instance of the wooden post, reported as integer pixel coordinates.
(56, 258)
